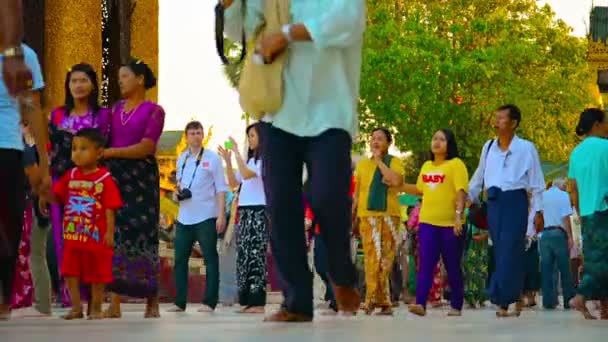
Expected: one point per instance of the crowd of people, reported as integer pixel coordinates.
(500, 236)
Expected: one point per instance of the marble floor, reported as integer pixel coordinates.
(225, 325)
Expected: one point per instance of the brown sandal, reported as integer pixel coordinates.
(417, 309)
(73, 314)
(454, 313)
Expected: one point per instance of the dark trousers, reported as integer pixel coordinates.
(321, 266)
(554, 259)
(440, 242)
(328, 162)
(12, 205)
(206, 235)
(508, 222)
(396, 281)
(531, 269)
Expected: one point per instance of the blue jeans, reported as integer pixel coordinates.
(554, 257)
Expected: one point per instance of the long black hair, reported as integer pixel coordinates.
(452, 147)
(588, 118)
(256, 153)
(93, 100)
(139, 68)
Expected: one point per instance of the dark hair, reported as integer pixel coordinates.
(387, 133)
(138, 67)
(193, 125)
(588, 118)
(452, 147)
(93, 96)
(93, 135)
(513, 111)
(256, 153)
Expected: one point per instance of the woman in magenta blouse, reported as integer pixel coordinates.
(135, 127)
(80, 110)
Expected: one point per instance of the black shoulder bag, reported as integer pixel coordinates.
(219, 35)
(478, 212)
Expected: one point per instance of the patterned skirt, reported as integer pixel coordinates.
(136, 262)
(252, 244)
(594, 282)
(23, 286)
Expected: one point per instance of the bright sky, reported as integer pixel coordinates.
(192, 83)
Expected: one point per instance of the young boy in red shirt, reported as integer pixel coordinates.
(90, 198)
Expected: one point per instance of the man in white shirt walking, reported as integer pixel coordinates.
(202, 215)
(509, 168)
(555, 243)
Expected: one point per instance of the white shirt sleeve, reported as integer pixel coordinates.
(536, 179)
(218, 176)
(476, 183)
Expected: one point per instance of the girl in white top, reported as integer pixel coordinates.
(252, 233)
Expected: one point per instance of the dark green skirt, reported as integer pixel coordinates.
(594, 282)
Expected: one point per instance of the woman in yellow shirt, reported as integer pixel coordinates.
(377, 207)
(443, 184)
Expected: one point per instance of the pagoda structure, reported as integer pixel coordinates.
(103, 33)
(597, 53)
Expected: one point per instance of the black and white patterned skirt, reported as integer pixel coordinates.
(252, 243)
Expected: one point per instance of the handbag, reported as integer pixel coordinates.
(261, 85)
(478, 212)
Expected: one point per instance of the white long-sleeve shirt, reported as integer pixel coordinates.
(516, 168)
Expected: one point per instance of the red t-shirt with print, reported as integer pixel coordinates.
(86, 197)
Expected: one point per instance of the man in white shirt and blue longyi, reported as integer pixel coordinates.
(509, 168)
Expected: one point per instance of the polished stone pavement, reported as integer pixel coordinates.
(225, 325)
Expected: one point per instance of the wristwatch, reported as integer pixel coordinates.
(13, 52)
(286, 30)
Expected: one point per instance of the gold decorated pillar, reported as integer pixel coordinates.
(72, 35)
(144, 37)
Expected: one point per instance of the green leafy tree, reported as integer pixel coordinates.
(430, 64)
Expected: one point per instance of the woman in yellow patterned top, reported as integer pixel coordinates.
(443, 184)
(377, 207)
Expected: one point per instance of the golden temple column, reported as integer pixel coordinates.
(72, 35)
(144, 37)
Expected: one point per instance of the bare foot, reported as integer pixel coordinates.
(152, 312)
(112, 312)
(205, 309)
(93, 316)
(254, 310)
(604, 310)
(176, 309)
(369, 309)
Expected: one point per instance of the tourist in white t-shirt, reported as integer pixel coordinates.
(252, 231)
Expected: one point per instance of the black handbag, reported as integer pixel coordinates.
(478, 212)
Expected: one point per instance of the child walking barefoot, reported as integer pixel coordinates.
(90, 197)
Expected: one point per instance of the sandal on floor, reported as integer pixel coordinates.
(417, 309)
(579, 305)
(385, 311)
(73, 314)
(454, 313)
